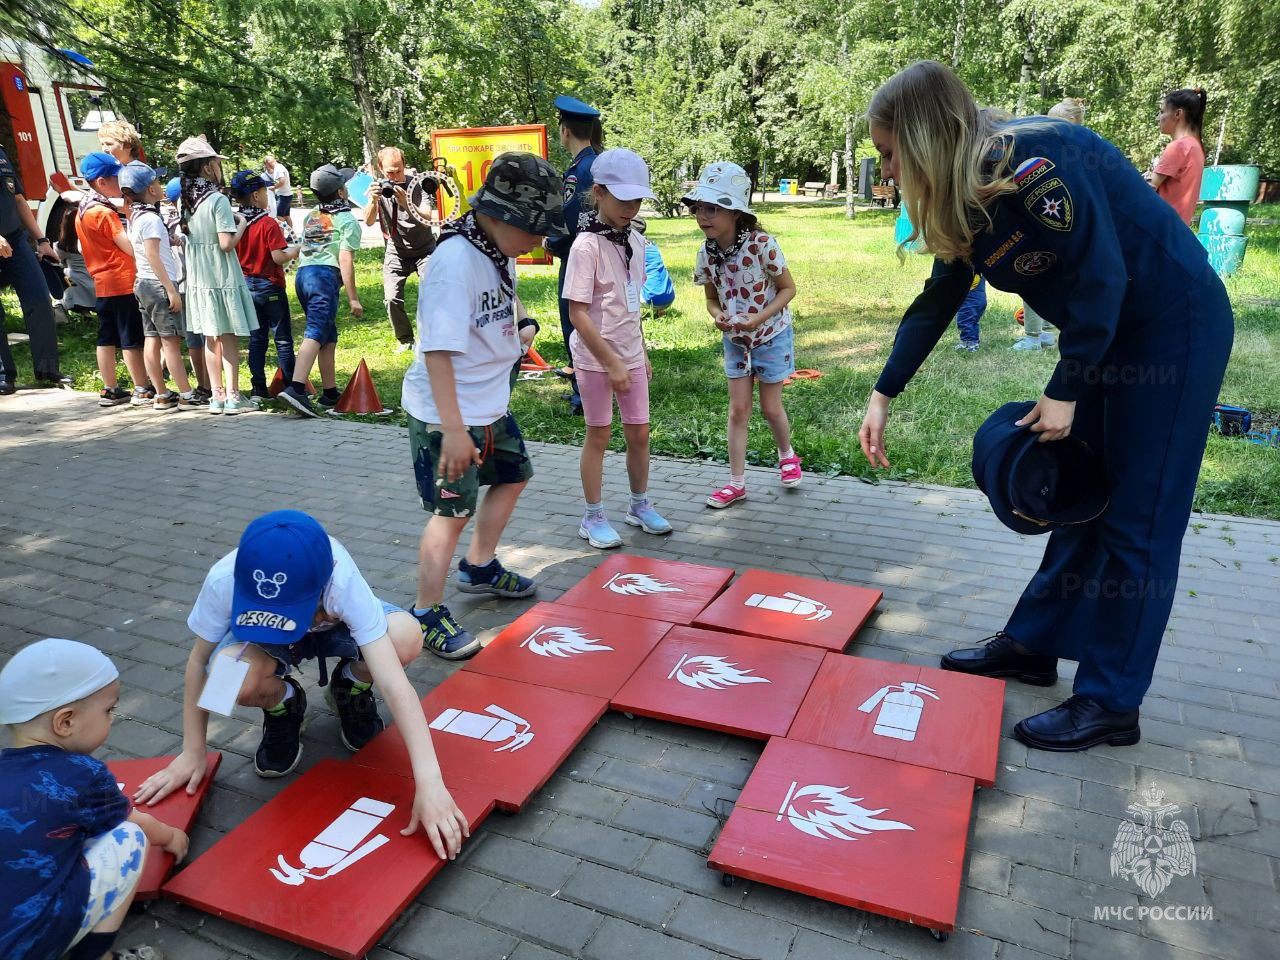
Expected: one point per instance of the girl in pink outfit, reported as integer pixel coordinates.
(748, 287)
(603, 279)
(1177, 173)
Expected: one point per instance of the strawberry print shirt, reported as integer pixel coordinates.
(744, 283)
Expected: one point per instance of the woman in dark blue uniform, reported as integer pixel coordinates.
(582, 136)
(1056, 214)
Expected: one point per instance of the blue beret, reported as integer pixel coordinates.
(573, 107)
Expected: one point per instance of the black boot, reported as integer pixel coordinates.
(1000, 657)
(1078, 724)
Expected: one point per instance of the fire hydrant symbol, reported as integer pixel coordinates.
(495, 725)
(791, 603)
(900, 709)
(339, 844)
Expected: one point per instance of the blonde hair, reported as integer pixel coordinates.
(1069, 108)
(943, 143)
(387, 154)
(124, 133)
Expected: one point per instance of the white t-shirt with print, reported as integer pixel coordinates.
(463, 311)
(745, 285)
(147, 225)
(347, 599)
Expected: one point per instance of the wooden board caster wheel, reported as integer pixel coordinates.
(727, 880)
(940, 935)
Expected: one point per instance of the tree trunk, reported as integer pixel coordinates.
(1222, 132)
(850, 185)
(957, 41)
(360, 81)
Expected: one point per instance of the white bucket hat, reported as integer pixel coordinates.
(724, 184)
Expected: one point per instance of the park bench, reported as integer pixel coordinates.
(885, 194)
(814, 188)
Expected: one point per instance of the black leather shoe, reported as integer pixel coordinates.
(1078, 724)
(55, 377)
(999, 657)
(7, 387)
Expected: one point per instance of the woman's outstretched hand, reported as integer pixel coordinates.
(872, 433)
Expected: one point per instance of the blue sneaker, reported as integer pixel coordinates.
(644, 516)
(442, 635)
(599, 532)
(493, 578)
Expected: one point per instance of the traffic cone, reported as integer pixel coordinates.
(802, 375)
(361, 396)
(278, 383)
(534, 361)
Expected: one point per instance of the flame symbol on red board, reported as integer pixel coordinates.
(826, 813)
(639, 584)
(711, 673)
(561, 642)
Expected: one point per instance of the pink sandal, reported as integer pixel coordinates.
(726, 495)
(791, 473)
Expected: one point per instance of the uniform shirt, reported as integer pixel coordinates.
(1182, 165)
(147, 225)
(1084, 241)
(52, 802)
(402, 229)
(597, 275)
(347, 599)
(112, 269)
(254, 250)
(577, 184)
(10, 187)
(463, 311)
(745, 285)
(324, 235)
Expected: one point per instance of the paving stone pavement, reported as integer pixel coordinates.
(109, 522)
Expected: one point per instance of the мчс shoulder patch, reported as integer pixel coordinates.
(1031, 170)
(1035, 262)
(570, 186)
(1050, 203)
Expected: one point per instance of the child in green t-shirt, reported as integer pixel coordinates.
(330, 239)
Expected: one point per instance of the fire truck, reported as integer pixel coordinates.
(53, 106)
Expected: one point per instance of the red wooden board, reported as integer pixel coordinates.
(798, 609)
(665, 590)
(570, 648)
(934, 718)
(494, 737)
(741, 685)
(178, 809)
(323, 864)
(869, 833)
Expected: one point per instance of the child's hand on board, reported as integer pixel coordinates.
(436, 812)
(177, 845)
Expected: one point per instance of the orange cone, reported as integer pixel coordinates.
(361, 396)
(802, 375)
(534, 361)
(278, 383)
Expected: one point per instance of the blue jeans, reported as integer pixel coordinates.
(317, 287)
(272, 306)
(971, 311)
(22, 270)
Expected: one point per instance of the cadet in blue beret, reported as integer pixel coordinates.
(582, 135)
(1052, 212)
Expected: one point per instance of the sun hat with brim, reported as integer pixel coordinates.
(1036, 487)
(49, 674)
(524, 190)
(196, 148)
(283, 564)
(724, 184)
(623, 173)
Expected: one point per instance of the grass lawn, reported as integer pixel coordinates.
(851, 294)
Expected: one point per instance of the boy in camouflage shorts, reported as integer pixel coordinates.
(461, 434)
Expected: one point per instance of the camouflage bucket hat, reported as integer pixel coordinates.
(525, 191)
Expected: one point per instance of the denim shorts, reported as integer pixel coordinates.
(334, 642)
(771, 362)
(317, 287)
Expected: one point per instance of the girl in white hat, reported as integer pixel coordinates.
(748, 287)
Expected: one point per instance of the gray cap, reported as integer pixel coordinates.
(329, 179)
(524, 190)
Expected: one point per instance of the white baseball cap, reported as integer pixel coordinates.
(623, 172)
(51, 673)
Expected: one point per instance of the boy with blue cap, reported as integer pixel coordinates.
(156, 287)
(108, 255)
(288, 593)
(72, 847)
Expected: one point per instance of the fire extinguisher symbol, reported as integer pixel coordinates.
(791, 603)
(495, 725)
(900, 709)
(338, 845)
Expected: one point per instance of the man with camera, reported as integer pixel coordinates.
(405, 211)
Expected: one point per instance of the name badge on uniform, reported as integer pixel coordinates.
(222, 686)
(633, 295)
